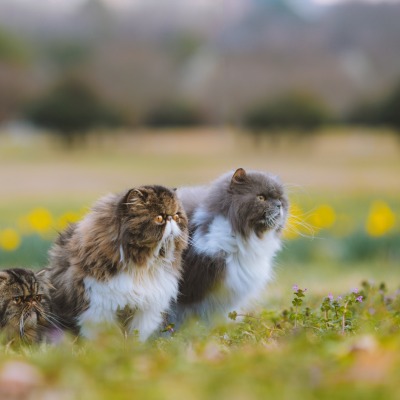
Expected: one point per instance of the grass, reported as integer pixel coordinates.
(282, 350)
(267, 355)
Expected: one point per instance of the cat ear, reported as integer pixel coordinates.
(136, 194)
(132, 197)
(239, 176)
(43, 278)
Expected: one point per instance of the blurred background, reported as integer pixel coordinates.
(101, 95)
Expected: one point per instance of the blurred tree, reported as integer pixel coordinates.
(385, 111)
(365, 113)
(12, 50)
(389, 110)
(174, 114)
(295, 111)
(67, 54)
(14, 58)
(71, 109)
(183, 46)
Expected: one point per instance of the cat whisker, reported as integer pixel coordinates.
(52, 318)
(55, 324)
(21, 325)
(292, 229)
(185, 240)
(290, 186)
(296, 220)
(302, 223)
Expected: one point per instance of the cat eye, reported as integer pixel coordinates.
(176, 218)
(38, 298)
(261, 197)
(17, 300)
(159, 219)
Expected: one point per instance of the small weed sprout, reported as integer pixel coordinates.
(336, 314)
(341, 315)
(297, 301)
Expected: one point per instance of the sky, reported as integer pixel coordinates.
(342, 1)
(69, 5)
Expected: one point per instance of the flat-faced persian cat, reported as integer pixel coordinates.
(235, 227)
(124, 257)
(25, 307)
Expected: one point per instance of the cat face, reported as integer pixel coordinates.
(151, 215)
(24, 304)
(257, 203)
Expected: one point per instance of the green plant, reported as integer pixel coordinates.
(301, 352)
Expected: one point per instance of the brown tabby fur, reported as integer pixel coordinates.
(119, 233)
(25, 307)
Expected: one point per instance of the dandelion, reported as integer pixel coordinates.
(381, 219)
(66, 219)
(323, 217)
(40, 220)
(9, 239)
(295, 225)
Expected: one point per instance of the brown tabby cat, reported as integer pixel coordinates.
(25, 308)
(124, 255)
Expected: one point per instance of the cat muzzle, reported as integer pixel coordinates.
(273, 217)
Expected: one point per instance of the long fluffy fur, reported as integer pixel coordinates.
(25, 306)
(235, 226)
(118, 258)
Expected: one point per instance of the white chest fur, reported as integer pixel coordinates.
(248, 265)
(147, 290)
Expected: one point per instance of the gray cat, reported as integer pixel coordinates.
(235, 226)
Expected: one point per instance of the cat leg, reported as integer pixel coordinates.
(145, 322)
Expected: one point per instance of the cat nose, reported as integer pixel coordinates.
(169, 217)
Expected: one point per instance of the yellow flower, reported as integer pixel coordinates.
(323, 217)
(40, 220)
(66, 219)
(296, 225)
(381, 219)
(9, 239)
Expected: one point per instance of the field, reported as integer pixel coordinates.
(343, 235)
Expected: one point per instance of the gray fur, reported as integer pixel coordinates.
(238, 199)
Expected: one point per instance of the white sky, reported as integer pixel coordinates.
(342, 1)
(66, 5)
